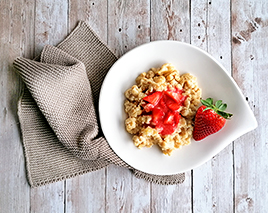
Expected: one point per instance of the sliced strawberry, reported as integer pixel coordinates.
(168, 129)
(163, 106)
(148, 107)
(153, 98)
(159, 128)
(157, 115)
(169, 118)
(175, 96)
(177, 117)
(173, 105)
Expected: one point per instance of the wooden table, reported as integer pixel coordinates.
(234, 32)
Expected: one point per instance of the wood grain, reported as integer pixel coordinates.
(128, 24)
(86, 193)
(250, 50)
(170, 20)
(93, 12)
(16, 39)
(51, 23)
(172, 198)
(49, 197)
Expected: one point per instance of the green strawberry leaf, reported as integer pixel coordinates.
(225, 114)
(218, 103)
(219, 107)
(204, 102)
(222, 107)
(208, 102)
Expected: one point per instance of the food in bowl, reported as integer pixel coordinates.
(161, 107)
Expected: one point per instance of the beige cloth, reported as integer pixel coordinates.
(58, 111)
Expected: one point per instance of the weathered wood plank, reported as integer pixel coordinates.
(170, 20)
(219, 32)
(16, 39)
(128, 24)
(48, 198)
(128, 27)
(118, 195)
(213, 181)
(199, 24)
(51, 23)
(125, 193)
(173, 198)
(250, 65)
(93, 12)
(86, 193)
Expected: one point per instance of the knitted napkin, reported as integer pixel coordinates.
(58, 111)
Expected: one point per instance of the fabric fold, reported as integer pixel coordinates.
(58, 111)
(60, 87)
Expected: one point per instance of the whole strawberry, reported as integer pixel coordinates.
(209, 118)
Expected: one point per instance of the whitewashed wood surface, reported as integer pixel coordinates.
(234, 32)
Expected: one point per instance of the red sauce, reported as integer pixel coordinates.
(163, 107)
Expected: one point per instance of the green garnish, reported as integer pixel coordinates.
(219, 107)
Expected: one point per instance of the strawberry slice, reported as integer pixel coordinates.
(209, 118)
(148, 107)
(177, 117)
(176, 96)
(163, 106)
(168, 129)
(157, 115)
(169, 118)
(153, 98)
(173, 105)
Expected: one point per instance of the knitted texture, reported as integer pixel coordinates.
(58, 111)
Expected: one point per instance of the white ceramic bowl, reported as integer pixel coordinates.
(214, 81)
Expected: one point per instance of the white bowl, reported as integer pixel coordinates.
(212, 78)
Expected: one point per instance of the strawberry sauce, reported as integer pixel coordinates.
(163, 107)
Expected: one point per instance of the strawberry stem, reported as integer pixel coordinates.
(219, 107)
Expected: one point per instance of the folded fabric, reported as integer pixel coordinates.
(58, 111)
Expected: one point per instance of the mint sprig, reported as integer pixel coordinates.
(219, 107)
